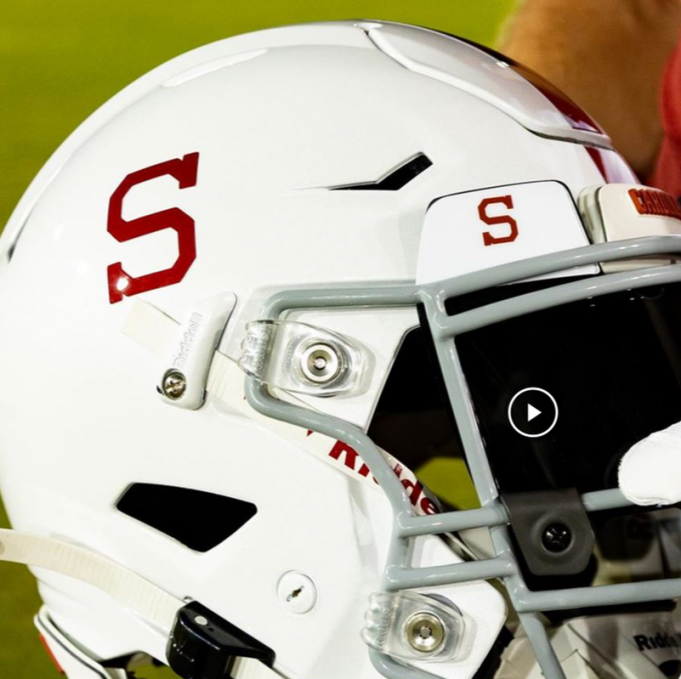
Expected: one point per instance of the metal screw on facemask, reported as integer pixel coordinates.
(557, 537)
(425, 632)
(174, 385)
(321, 363)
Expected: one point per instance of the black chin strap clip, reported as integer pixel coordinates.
(203, 645)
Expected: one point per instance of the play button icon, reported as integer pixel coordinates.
(533, 412)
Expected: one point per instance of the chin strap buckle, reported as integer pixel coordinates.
(203, 645)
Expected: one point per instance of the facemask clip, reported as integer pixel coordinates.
(412, 626)
(302, 358)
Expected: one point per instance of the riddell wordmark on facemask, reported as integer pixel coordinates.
(660, 640)
(415, 490)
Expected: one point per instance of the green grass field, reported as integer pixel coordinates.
(60, 60)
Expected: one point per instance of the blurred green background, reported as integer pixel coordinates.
(60, 60)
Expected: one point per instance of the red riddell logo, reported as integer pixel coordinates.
(414, 488)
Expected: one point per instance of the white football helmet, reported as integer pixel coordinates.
(229, 304)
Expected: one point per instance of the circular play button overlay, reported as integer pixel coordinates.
(533, 412)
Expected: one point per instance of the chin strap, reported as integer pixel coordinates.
(201, 644)
(133, 591)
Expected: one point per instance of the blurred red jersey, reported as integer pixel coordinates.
(667, 172)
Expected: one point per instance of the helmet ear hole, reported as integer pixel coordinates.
(185, 513)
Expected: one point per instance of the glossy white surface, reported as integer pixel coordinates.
(521, 221)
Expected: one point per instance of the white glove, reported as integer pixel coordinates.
(650, 472)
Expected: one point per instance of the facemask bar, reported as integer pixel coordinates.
(399, 575)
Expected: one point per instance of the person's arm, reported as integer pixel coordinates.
(607, 55)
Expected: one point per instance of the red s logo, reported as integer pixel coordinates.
(487, 237)
(121, 284)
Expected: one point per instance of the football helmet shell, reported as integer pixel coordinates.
(264, 188)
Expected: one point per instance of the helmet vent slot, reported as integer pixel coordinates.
(197, 519)
(395, 179)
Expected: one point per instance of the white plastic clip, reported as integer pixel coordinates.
(302, 358)
(185, 373)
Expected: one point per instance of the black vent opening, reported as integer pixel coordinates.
(199, 520)
(394, 181)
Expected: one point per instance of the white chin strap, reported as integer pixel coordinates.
(650, 472)
(156, 606)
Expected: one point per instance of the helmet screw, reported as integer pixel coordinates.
(174, 385)
(556, 537)
(425, 632)
(321, 363)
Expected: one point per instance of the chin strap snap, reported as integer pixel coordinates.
(205, 646)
